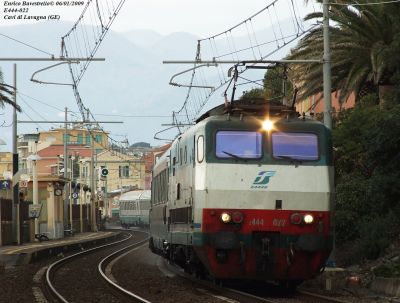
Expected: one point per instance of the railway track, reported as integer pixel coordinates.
(231, 294)
(82, 277)
(87, 277)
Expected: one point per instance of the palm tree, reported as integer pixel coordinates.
(6, 93)
(365, 43)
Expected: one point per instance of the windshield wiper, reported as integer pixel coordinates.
(234, 156)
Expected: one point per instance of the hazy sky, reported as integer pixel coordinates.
(202, 18)
(199, 17)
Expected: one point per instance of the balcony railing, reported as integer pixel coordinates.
(22, 145)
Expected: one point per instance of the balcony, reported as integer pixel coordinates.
(22, 145)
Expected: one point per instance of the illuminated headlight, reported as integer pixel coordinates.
(308, 219)
(267, 125)
(225, 217)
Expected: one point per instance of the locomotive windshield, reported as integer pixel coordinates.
(297, 146)
(238, 144)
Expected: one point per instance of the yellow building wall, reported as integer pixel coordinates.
(75, 136)
(5, 163)
(113, 161)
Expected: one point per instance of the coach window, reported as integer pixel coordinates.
(185, 154)
(178, 191)
(200, 149)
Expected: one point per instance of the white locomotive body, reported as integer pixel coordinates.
(233, 200)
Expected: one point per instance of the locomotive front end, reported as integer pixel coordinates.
(264, 200)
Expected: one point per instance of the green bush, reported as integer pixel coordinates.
(390, 270)
(367, 172)
(376, 234)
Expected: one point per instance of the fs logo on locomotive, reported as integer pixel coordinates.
(262, 180)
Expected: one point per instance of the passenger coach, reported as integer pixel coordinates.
(134, 208)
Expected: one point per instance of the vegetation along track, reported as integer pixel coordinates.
(80, 277)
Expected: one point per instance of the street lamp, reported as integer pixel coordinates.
(34, 158)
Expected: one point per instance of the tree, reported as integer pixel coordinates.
(6, 93)
(274, 81)
(367, 167)
(277, 86)
(253, 93)
(365, 43)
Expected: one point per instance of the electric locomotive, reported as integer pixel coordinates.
(246, 193)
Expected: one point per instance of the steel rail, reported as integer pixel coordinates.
(64, 260)
(112, 283)
(298, 296)
(323, 298)
(232, 293)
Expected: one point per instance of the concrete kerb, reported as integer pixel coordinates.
(387, 286)
(333, 279)
(26, 257)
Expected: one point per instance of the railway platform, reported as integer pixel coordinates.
(13, 255)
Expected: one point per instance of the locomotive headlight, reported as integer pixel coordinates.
(225, 217)
(267, 125)
(308, 219)
(296, 218)
(237, 217)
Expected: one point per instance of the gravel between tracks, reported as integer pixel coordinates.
(138, 272)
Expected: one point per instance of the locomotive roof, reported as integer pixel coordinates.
(250, 106)
(135, 195)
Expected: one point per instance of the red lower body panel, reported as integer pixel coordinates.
(266, 245)
(281, 266)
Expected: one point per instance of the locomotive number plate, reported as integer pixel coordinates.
(279, 222)
(256, 222)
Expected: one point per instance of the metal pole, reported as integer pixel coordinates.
(80, 198)
(327, 68)
(93, 190)
(213, 62)
(1, 229)
(51, 59)
(70, 192)
(15, 197)
(70, 122)
(86, 203)
(66, 194)
(35, 187)
(327, 89)
(106, 201)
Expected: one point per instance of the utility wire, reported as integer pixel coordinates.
(42, 102)
(364, 4)
(26, 44)
(197, 97)
(134, 116)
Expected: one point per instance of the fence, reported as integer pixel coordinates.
(76, 225)
(6, 221)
